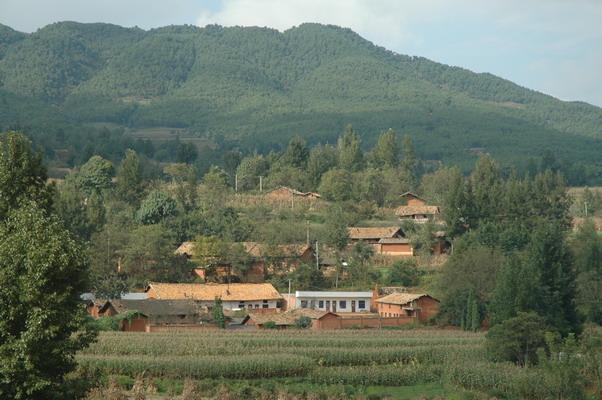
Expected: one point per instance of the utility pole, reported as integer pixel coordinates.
(260, 184)
(236, 182)
(585, 205)
(317, 256)
(307, 231)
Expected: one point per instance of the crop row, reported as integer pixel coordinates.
(240, 367)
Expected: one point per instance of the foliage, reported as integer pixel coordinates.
(303, 322)
(43, 272)
(587, 248)
(156, 207)
(129, 178)
(95, 175)
(517, 339)
(218, 313)
(404, 273)
(22, 174)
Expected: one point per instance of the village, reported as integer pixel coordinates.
(248, 302)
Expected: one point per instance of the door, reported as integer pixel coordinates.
(334, 306)
(327, 305)
(352, 305)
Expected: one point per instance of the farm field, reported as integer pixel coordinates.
(392, 364)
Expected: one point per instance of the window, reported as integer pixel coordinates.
(265, 302)
(256, 305)
(264, 306)
(361, 304)
(321, 304)
(241, 304)
(342, 304)
(303, 303)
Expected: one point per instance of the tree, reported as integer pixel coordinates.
(386, 152)
(296, 153)
(156, 207)
(409, 162)
(351, 157)
(70, 205)
(22, 174)
(129, 178)
(218, 313)
(542, 280)
(95, 175)
(486, 187)
(457, 206)
(42, 274)
(321, 159)
(336, 234)
(517, 339)
(587, 248)
(183, 177)
(404, 273)
(249, 170)
(336, 185)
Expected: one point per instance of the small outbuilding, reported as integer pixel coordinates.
(418, 305)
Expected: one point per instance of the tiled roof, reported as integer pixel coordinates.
(255, 249)
(358, 233)
(394, 241)
(186, 248)
(294, 192)
(209, 291)
(410, 194)
(152, 307)
(287, 318)
(406, 211)
(401, 298)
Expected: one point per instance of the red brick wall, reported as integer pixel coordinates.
(428, 308)
(138, 324)
(412, 201)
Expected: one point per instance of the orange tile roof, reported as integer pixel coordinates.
(401, 298)
(186, 248)
(209, 291)
(287, 317)
(406, 211)
(373, 232)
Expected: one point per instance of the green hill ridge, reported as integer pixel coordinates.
(258, 87)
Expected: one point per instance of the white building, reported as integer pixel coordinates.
(337, 302)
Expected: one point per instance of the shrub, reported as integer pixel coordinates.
(517, 339)
(303, 322)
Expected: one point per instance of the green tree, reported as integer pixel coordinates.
(22, 174)
(129, 184)
(218, 313)
(184, 179)
(249, 170)
(386, 152)
(43, 271)
(587, 248)
(409, 162)
(351, 157)
(517, 339)
(296, 153)
(457, 206)
(95, 175)
(336, 234)
(486, 187)
(156, 207)
(70, 205)
(336, 185)
(321, 159)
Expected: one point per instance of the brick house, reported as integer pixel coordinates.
(264, 258)
(388, 240)
(420, 306)
(234, 296)
(416, 209)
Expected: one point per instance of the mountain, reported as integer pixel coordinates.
(258, 87)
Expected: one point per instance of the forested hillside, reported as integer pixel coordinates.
(82, 89)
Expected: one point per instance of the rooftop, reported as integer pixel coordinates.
(211, 291)
(333, 294)
(359, 233)
(401, 298)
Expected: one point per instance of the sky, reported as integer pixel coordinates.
(554, 46)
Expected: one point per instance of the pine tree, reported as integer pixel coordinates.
(129, 178)
(351, 157)
(386, 152)
(409, 162)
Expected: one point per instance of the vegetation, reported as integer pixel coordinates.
(315, 360)
(85, 89)
(43, 270)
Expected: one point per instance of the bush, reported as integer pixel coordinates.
(270, 325)
(303, 322)
(517, 339)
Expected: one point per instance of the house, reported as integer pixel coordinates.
(234, 296)
(416, 209)
(420, 306)
(98, 308)
(336, 302)
(161, 311)
(283, 320)
(262, 258)
(389, 240)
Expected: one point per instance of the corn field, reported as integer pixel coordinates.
(360, 358)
